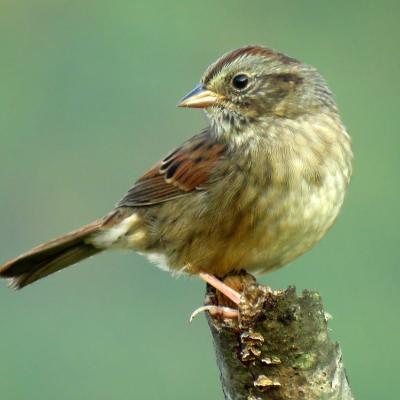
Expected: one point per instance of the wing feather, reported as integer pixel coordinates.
(182, 171)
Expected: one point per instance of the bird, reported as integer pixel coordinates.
(257, 188)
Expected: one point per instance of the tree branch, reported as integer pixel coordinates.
(279, 349)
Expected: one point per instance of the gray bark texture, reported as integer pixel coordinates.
(279, 348)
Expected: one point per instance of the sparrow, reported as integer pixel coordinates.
(257, 188)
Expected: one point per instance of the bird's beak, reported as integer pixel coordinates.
(200, 97)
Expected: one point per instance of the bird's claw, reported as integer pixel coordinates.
(220, 311)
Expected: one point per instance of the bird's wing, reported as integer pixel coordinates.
(185, 169)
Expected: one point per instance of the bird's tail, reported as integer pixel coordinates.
(50, 257)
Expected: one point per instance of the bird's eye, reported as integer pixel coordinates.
(240, 81)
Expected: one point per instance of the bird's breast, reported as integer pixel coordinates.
(300, 192)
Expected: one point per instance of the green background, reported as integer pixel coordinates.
(87, 104)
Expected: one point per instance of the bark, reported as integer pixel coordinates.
(279, 348)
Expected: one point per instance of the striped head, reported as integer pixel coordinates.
(253, 83)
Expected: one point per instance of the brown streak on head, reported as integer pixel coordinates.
(288, 78)
(246, 51)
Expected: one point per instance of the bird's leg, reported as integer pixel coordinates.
(221, 311)
(221, 287)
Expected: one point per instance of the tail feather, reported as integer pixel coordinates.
(50, 257)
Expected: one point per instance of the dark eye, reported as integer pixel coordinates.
(240, 81)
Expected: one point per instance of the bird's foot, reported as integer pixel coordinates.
(219, 311)
(216, 311)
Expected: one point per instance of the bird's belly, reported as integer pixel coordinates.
(292, 223)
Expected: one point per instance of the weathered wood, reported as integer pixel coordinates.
(279, 349)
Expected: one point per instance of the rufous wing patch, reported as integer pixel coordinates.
(185, 169)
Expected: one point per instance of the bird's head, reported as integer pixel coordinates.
(253, 83)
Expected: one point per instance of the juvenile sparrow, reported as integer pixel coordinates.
(256, 189)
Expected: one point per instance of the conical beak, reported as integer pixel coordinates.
(200, 97)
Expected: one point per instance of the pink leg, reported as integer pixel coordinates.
(224, 312)
(221, 287)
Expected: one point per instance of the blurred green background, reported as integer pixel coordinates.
(87, 104)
